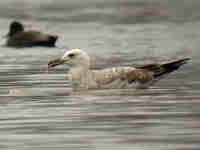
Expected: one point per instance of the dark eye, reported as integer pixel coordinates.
(71, 55)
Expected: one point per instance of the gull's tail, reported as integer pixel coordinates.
(166, 68)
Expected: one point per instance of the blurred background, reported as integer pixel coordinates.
(38, 109)
(111, 11)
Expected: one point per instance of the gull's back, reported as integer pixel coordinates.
(109, 78)
(128, 77)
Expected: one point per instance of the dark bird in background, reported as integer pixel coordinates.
(18, 37)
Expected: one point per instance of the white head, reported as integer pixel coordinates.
(73, 58)
(79, 63)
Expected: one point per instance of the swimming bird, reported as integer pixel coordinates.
(84, 78)
(18, 37)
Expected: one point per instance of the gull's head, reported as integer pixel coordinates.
(73, 58)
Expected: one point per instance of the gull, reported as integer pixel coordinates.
(84, 78)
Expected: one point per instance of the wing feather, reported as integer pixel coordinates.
(120, 77)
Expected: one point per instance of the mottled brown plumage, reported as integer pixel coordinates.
(119, 77)
(17, 37)
(139, 75)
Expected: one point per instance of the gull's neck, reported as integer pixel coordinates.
(79, 76)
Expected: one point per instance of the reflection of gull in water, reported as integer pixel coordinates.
(119, 77)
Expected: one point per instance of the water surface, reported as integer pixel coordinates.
(38, 109)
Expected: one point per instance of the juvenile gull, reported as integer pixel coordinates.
(118, 77)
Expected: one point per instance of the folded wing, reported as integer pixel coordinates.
(124, 77)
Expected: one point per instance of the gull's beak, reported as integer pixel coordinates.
(55, 62)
